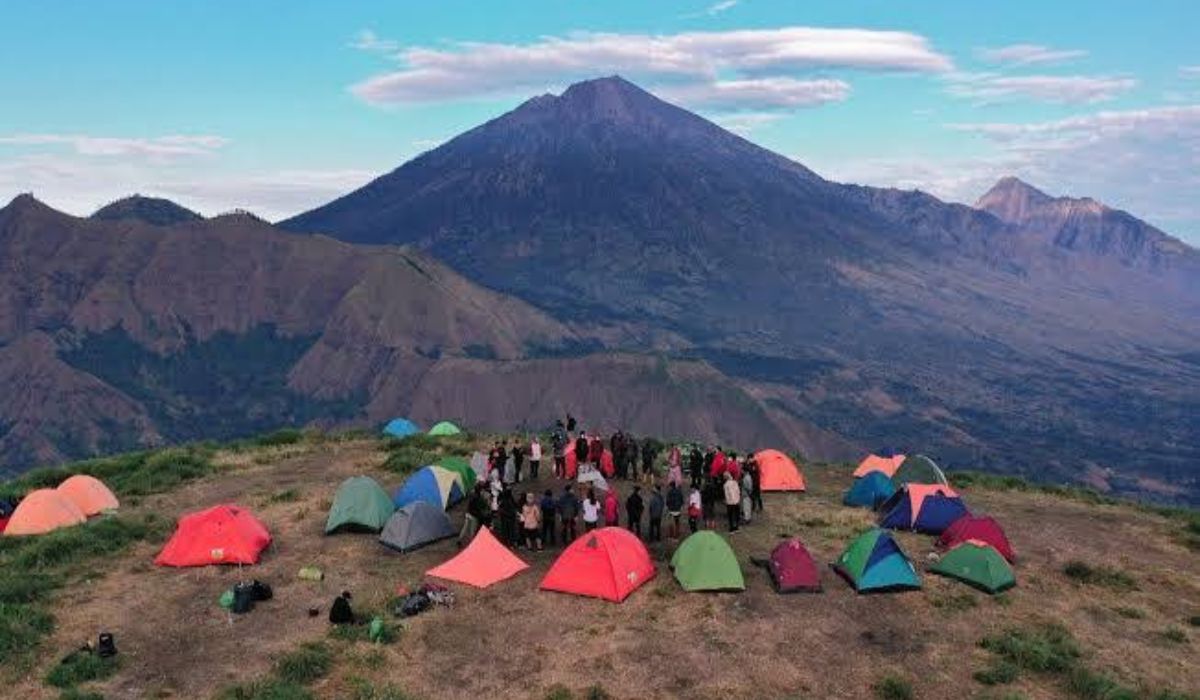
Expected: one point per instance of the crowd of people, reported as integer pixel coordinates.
(695, 485)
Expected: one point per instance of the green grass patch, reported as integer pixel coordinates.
(1175, 635)
(77, 694)
(1000, 672)
(310, 662)
(1044, 649)
(269, 689)
(285, 496)
(128, 475)
(558, 691)
(954, 602)
(73, 545)
(362, 689)
(284, 436)
(1130, 613)
(893, 687)
(81, 668)
(1105, 576)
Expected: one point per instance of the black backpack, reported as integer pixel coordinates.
(243, 598)
(107, 646)
(262, 591)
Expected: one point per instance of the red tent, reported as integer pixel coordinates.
(793, 569)
(608, 563)
(777, 471)
(224, 534)
(983, 529)
(3, 524)
(483, 563)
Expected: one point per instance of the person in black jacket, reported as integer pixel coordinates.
(568, 511)
(648, 456)
(756, 480)
(581, 449)
(696, 467)
(548, 507)
(570, 423)
(674, 507)
(508, 518)
(657, 505)
(477, 512)
(633, 511)
(518, 453)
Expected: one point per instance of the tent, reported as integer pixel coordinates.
(777, 471)
(416, 525)
(400, 428)
(976, 564)
(467, 476)
(360, 504)
(483, 563)
(922, 507)
(434, 485)
(792, 568)
(918, 470)
(89, 494)
(983, 529)
(877, 463)
(874, 563)
(870, 491)
(444, 428)
(608, 563)
(705, 562)
(224, 534)
(42, 511)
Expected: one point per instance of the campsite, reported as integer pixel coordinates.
(510, 639)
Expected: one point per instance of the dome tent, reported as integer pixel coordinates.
(483, 563)
(42, 511)
(874, 563)
(705, 562)
(434, 485)
(978, 565)
(777, 471)
(924, 508)
(983, 529)
(360, 503)
(792, 568)
(609, 563)
(466, 473)
(445, 428)
(870, 491)
(918, 470)
(224, 534)
(416, 525)
(89, 494)
(878, 463)
(400, 428)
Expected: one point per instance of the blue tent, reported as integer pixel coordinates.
(869, 491)
(874, 563)
(434, 485)
(400, 427)
(938, 513)
(923, 508)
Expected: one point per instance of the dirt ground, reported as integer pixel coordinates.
(512, 641)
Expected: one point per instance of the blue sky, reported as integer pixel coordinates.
(279, 106)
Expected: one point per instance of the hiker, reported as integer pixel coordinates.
(694, 509)
(570, 423)
(696, 466)
(616, 445)
(612, 509)
(494, 488)
(657, 506)
(591, 511)
(568, 509)
(648, 455)
(549, 507)
(633, 511)
(674, 507)
(756, 483)
(581, 450)
(747, 486)
(340, 613)
(558, 442)
(508, 518)
(535, 457)
(477, 507)
(710, 494)
(518, 454)
(674, 466)
(510, 470)
(531, 522)
(596, 451)
(733, 501)
(631, 457)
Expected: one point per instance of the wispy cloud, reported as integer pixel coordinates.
(990, 88)
(758, 93)
(1028, 54)
(1190, 71)
(155, 147)
(368, 40)
(707, 63)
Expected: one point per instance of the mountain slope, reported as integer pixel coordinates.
(884, 316)
(151, 210)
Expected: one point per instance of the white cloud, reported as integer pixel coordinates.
(757, 93)
(719, 7)
(987, 88)
(368, 40)
(1190, 71)
(471, 70)
(1028, 54)
(156, 147)
(745, 123)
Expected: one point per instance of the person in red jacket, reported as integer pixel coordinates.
(612, 509)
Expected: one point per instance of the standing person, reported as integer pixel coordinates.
(612, 509)
(696, 466)
(559, 443)
(581, 451)
(518, 453)
(510, 470)
(747, 487)
(631, 457)
(591, 511)
(568, 510)
(674, 507)
(756, 482)
(595, 450)
(710, 494)
(549, 506)
(508, 518)
(733, 501)
(633, 511)
(477, 508)
(657, 506)
(616, 445)
(694, 509)
(495, 487)
(535, 457)
(648, 455)
(674, 466)
(531, 522)
(570, 423)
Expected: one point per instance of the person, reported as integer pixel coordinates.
(631, 457)
(508, 518)
(648, 455)
(633, 511)
(531, 523)
(657, 506)
(616, 446)
(477, 508)
(733, 501)
(674, 466)
(591, 511)
(558, 441)
(518, 453)
(612, 509)
(570, 423)
(510, 469)
(595, 450)
(694, 509)
(710, 494)
(747, 487)
(341, 613)
(535, 457)
(568, 509)
(493, 458)
(495, 487)
(696, 466)
(755, 484)
(581, 450)
(674, 507)
(548, 507)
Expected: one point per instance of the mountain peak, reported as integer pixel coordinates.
(151, 210)
(1011, 199)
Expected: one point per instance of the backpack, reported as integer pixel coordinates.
(243, 598)
(414, 604)
(262, 591)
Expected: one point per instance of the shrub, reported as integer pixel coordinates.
(310, 662)
(270, 689)
(1175, 635)
(558, 691)
(999, 673)
(1194, 620)
(893, 687)
(597, 692)
(361, 689)
(77, 694)
(81, 668)
(1099, 576)
(285, 436)
(1090, 685)
(1046, 648)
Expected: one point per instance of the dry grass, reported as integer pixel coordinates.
(512, 641)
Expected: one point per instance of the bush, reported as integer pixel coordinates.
(893, 688)
(999, 673)
(558, 691)
(1100, 576)
(1175, 635)
(361, 689)
(1047, 648)
(285, 436)
(597, 692)
(310, 662)
(77, 694)
(1194, 620)
(1094, 686)
(270, 689)
(81, 668)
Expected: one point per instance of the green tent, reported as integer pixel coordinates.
(705, 562)
(918, 469)
(444, 428)
(875, 563)
(462, 467)
(977, 564)
(360, 504)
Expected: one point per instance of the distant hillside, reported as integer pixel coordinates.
(150, 210)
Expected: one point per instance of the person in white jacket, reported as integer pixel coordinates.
(535, 457)
(733, 501)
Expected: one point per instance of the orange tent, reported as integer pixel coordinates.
(483, 563)
(777, 472)
(42, 511)
(225, 534)
(875, 463)
(608, 563)
(89, 494)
